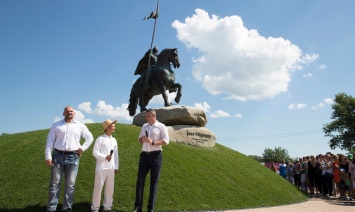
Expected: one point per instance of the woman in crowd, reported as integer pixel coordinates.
(336, 174)
(296, 175)
(327, 176)
(273, 167)
(352, 175)
(303, 163)
(311, 168)
(289, 170)
(318, 174)
(344, 164)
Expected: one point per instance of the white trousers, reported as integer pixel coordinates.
(102, 177)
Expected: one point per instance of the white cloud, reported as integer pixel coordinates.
(239, 115)
(320, 105)
(79, 116)
(158, 99)
(203, 106)
(296, 106)
(219, 114)
(85, 106)
(328, 101)
(57, 118)
(309, 58)
(237, 62)
(322, 66)
(103, 109)
(309, 75)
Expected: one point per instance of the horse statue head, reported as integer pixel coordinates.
(168, 56)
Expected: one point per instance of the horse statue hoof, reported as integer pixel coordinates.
(177, 98)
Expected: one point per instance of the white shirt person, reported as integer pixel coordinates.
(107, 162)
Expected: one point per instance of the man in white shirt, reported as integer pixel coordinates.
(64, 137)
(106, 153)
(153, 136)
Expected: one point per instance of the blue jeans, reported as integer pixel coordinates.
(66, 164)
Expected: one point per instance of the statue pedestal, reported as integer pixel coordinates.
(185, 124)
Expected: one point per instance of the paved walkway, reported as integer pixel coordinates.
(313, 204)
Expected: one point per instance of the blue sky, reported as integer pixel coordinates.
(265, 72)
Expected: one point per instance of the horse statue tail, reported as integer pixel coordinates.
(133, 102)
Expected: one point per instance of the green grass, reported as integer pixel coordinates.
(192, 178)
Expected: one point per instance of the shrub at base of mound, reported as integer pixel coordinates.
(192, 135)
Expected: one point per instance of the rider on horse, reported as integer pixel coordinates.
(159, 81)
(144, 66)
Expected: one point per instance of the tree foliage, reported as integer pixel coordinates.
(277, 154)
(256, 157)
(342, 129)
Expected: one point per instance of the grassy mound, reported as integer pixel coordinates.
(192, 178)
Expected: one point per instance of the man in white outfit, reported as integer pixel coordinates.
(106, 153)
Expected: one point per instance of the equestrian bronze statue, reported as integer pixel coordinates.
(156, 78)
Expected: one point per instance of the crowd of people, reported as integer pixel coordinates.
(328, 175)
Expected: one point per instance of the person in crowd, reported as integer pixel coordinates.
(344, 163)
(273, 167)
(64, 137)
(306, 169)
(303, 164)
(153, 136)
(352, 175)
(318, 175)
(296, 176)
(311, 167)
(282, 169)
(289, 170)
(345, 185)
(106, 154)
(333, 183)
(336, 174)
(327, 176)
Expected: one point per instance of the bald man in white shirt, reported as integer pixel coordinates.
(63, 150)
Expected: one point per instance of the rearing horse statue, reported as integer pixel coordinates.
(160, 79)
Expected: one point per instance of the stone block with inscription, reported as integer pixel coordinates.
(192, 135)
